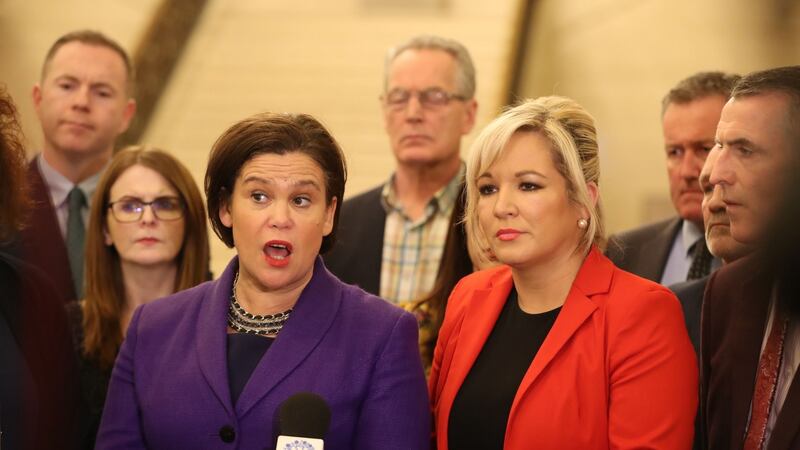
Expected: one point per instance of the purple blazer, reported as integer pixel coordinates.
(169, 388)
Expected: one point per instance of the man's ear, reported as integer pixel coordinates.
(36, 95)
(471, 112)
(127, 115)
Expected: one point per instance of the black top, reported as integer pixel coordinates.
(244, 353)
(94, 381)
(481, 407)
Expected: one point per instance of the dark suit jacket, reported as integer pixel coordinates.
(644, 250)
(40, 243)
(169, 387)
(38, 378)
(733, 323)
(690, 294)
(357, 255)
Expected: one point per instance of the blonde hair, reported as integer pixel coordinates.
(571, 132)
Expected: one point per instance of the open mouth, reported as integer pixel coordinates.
(278, 252)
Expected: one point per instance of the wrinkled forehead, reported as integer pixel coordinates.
(289, 169)
(422, 68)
(762, 119)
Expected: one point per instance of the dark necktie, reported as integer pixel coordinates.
(76, 234)
(769, 367)
(701, 260)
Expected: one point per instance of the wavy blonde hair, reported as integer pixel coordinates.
(571, 132)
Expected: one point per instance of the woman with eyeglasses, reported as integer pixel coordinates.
(147, 239)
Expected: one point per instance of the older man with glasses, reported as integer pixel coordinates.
(391, 238)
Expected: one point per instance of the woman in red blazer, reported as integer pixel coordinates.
(556, 348)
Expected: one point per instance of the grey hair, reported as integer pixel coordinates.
(700, 85)
(465, 74)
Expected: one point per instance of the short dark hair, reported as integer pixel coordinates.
(91, 37)
(781, 80)
(279, 134)
(700, 85)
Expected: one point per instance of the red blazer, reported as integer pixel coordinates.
(616, 371)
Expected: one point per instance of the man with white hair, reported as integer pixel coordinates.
(391, 238)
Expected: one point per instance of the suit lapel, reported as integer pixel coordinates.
(311, 319)
(593, 278)
(654, 258)
(43, 245)
(750, 306)
(787, 426)
(788, 423)
(211, 336)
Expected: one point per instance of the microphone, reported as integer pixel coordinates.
(304, 419)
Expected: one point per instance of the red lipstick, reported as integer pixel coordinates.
(278, 253)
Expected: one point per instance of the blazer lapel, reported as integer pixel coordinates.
(593, 278)
(211, 337)
(311, 319)
(483, 309)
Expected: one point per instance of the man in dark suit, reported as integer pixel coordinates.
(721, 245)
(750, 321)
(664, 251)
(391, 238)
(84, 103)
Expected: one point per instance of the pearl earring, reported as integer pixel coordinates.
(583, 224)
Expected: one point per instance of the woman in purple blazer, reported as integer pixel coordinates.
(210, 367)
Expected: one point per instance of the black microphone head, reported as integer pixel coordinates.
(304, 414)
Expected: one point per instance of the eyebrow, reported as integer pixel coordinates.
(737, 143)
(261, 180)
(96, 84)
(519, 174)
(671, 144)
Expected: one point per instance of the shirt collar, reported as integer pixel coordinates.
(59, 186)
(690, 234)
(443, 200)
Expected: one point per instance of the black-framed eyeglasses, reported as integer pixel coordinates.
(131, 209)
(429, 98)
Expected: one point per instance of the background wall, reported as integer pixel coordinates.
(620, 57)
(247, 56)
(617, 57)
